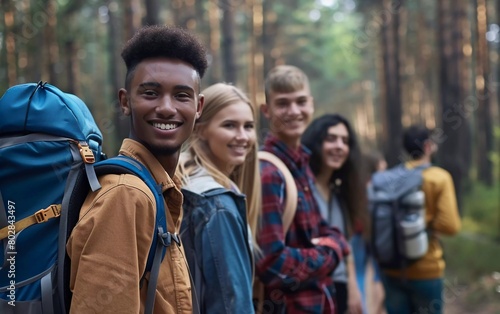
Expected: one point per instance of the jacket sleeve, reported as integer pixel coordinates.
(226, 261)
(108, 249)
(446, 219)
(281, 266)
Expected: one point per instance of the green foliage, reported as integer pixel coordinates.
(322, 40)
(495, 155)
(469, 257)
(482, 210)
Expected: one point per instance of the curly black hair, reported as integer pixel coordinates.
(164, 41)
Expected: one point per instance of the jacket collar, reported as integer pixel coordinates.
(201, 181)
(298, 157)
(140, 153)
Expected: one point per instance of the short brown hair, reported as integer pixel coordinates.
(285, 79)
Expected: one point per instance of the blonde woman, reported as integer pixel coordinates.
(221, 201)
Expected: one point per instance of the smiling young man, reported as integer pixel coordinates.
(295, 267)
(110, 244)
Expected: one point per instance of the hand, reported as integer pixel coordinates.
(378, 298)
(354, 302)
(339, 245)
(325, 241)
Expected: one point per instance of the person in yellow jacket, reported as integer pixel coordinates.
(109, 246)
(419, 287)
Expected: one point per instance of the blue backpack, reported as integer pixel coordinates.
(50, 158)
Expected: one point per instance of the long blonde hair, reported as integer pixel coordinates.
(247, 175)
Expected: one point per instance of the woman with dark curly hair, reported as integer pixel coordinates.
(340, 192)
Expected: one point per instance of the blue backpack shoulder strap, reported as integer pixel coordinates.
(162, 239)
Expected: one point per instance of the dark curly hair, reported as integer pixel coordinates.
(352, 188)
(163, 41)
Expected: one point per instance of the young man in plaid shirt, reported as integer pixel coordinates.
(295, 267)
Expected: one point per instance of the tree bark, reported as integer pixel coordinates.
(270, 27)
(215, 74)
(228, 55)
(483, 95)
(10, 42)
(72, 67)
(464, 53)
(392, 88)
(131, 18)
(120, 124)
(449, 135)
(51, 45)
(152, 12)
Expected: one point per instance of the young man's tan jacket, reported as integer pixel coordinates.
(109, 246)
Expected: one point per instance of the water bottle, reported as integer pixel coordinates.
(414, 200)
(415, 236)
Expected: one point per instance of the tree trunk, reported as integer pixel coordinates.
(215, 74)
(228, 55)
(448, 137)
(498, 65)
(484, 123)
(255, 80)
(51, 45)
(30, 27)
(131, 18)
(10, 42)
(72, 67)
(269, 32)
(152, 12)
(3, 55)
(464, 52)
(120, 124)
(392, 89)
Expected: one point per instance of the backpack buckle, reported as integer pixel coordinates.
(50, 212)
(86, 153)
(167, 237)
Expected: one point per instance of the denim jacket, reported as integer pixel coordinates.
(215, 238)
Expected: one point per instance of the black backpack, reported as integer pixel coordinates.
(397, 210)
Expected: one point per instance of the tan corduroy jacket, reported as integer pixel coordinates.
(110, 244)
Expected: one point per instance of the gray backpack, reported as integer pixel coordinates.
(397, 210)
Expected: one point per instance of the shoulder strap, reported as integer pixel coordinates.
(162, 238)
(291, 188)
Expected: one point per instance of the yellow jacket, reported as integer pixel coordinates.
(442, 217)
(110, 244)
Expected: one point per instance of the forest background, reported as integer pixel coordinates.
(383, 64)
